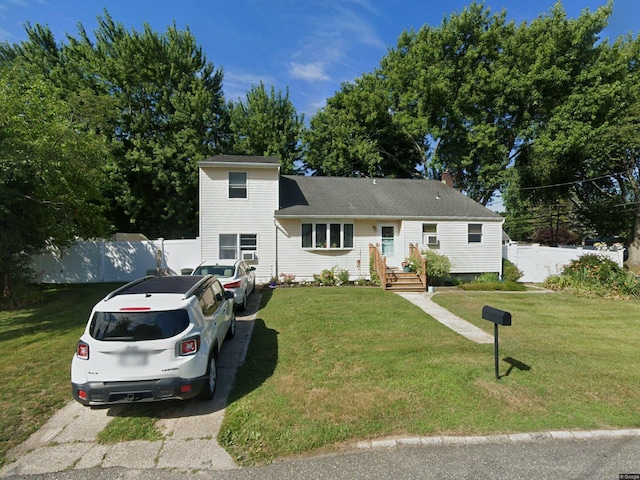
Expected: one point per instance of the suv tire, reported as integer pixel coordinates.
(212, 380)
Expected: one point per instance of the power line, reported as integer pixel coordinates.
(572, 183)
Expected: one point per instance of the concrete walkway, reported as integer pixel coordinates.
(445, 317)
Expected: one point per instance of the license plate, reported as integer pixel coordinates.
(133, 359)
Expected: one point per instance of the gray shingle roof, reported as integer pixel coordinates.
(383, 197)
(241, 160)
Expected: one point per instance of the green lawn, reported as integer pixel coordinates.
(332, 365)
(37, 345)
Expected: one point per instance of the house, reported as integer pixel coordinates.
(299, 225)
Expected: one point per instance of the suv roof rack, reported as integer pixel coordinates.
(117, 291)
(187, 285)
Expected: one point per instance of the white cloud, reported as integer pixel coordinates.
(314, 71)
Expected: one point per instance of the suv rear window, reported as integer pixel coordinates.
(137, 326)
(215, 270)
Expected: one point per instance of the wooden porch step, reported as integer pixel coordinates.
(403, 282)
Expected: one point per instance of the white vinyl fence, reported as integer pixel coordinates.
(538, 262)
(105, 261)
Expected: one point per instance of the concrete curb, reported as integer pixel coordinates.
(497, 439)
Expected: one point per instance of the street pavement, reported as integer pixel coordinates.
(66, 447)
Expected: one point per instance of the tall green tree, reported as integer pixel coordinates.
(159, 102)
(51, 171)
(449, 84)
(355, 134)
(267, 124)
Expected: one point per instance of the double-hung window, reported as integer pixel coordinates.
(430, 234)
(475, 233)
(237, 184)
(234, 246)
(327, 235)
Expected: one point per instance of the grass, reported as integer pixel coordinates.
(37, 345)
(333, 365)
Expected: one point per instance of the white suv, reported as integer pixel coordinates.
(156, 338)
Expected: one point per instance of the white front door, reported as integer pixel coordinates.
(389, 245)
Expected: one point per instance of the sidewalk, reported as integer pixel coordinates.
(445, 317)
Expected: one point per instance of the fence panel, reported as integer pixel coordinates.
(101, 261)
(538, 262)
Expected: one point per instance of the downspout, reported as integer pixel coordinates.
(275, 231)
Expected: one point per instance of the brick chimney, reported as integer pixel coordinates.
(447, 178)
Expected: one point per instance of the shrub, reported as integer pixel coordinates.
(488, 277)
(510, 272)
(594, 275)
(490, 286)
(287, 279)
(438, 266)
(343, 277)
(327, 278)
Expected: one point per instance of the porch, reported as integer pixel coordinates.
(394, 277)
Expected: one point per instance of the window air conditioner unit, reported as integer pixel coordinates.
(249, 256)
(432, 240)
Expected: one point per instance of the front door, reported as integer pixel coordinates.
(388, 243)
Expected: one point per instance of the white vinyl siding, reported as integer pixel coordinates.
(303, 262)
(240, 217)
(453, 238)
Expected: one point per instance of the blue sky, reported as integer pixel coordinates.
(310, 46)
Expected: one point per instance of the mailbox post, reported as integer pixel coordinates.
(498, 317)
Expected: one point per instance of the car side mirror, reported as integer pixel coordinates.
(228, 295)
(252, 269)
(219, 297)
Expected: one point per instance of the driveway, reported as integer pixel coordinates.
(68, 440)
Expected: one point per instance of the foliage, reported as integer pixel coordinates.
(489, 285)
(438, 266)
(356, 135)
(487, 277)
(510, 272)
(375, 279)
(266, 124)
(159, 102)
(287, 279)
(333, 277)
(50, 172)
(595, 275)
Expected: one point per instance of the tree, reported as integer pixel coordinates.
(355, 134)
(50, 171)
(266, 124)
(170, 116)
(160, 104)
(449, 84)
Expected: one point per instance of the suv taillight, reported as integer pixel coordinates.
(233, 284)
(82, 351)
(189, 346)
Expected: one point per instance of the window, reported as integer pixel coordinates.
(475, 233)
(249, 247)
(229, 243)
(327, 235)
(237, 184)
(430, 234)
(228, 246)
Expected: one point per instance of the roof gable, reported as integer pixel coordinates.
(380, 197)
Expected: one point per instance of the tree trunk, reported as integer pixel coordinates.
(634, 245)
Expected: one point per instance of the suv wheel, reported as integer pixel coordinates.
(212, 380)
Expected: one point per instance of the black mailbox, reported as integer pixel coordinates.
(499, 317)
